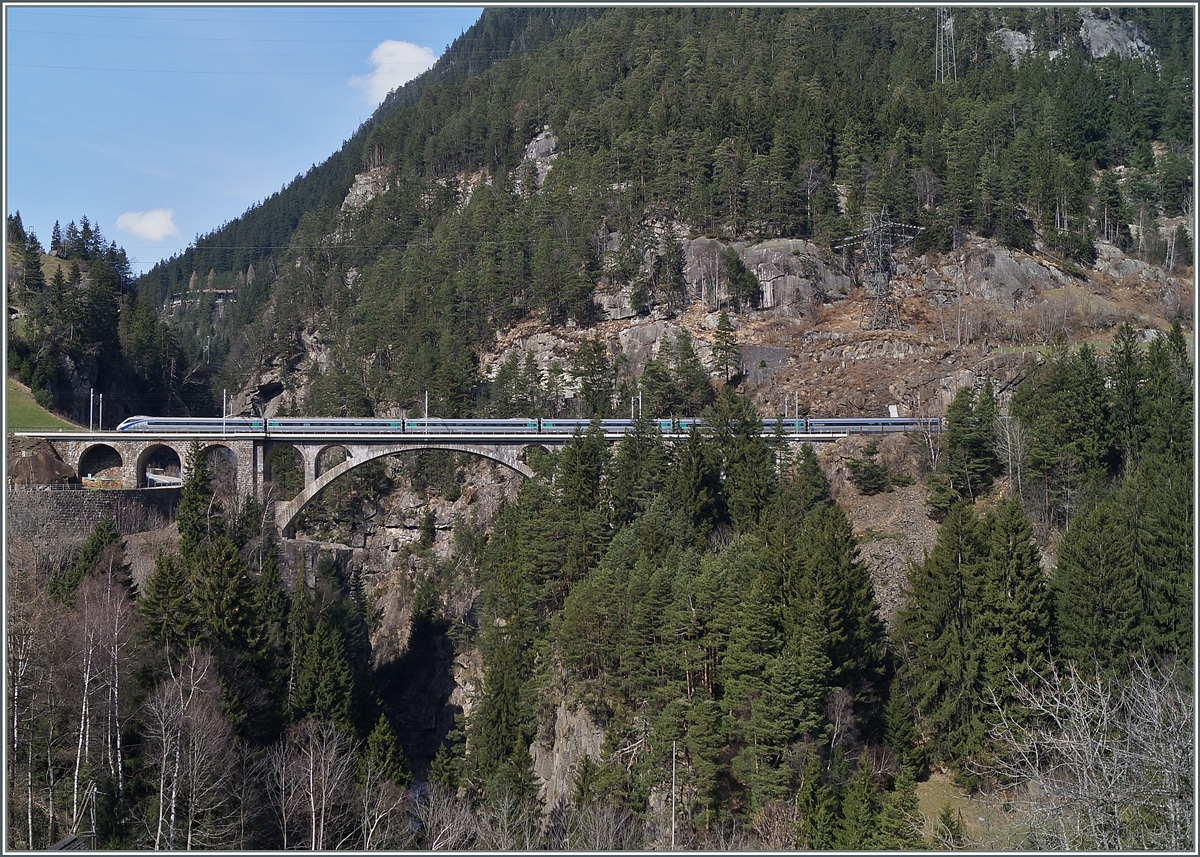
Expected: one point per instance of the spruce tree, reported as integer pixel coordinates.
(168, 606)
(198, 513)
(324, 680)
(695, 486)
(693, 391)
(1096, 601)
(725, 347)
(1014, 611)
(100, 538)
(899, 816)
(637, 472)
(858, 823)
(382, 756)
(939, 628)
(816, 827)
(224, 593)
(1158, 503)
(1126, 377)
(841, 580)
(746, 457)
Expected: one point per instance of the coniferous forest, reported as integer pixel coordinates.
(701, 606)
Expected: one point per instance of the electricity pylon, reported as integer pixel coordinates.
(882, 235)
(943, 60)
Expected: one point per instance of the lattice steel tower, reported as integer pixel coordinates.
(944, 67)
(881, 310)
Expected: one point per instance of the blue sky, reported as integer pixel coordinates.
(161, 123)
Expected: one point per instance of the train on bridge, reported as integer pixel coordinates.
(307, 426)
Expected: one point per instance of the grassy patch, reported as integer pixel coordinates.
(983, 820)
(22, 413)
(870, 534)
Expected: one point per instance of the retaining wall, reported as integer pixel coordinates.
(33, 512)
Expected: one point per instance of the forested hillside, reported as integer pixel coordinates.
(727, 122)
(656, 643)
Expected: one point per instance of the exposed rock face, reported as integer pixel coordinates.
(366, 187)
(792, 273)
(33, 461)
(1015, 43)
(540, 153)
(1104, 36)
(556, 756)
(994, 273)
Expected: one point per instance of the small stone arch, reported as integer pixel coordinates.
(289, 460)
(222, 465)
(100, 459)
(330, 457)
(159, 460)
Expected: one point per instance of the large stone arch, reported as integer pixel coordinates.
(511, 456)
(99, 458)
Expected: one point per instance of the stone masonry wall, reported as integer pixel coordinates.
(33, 512)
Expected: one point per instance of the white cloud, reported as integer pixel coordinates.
(396, 63)
(152, 225)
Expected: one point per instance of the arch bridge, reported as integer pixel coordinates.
(143, 460)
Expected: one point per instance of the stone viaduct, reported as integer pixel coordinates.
(129, 461)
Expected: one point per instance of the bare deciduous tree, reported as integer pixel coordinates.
(507, 823)
(190, 750)
(1011, 445)
(446, 823)
(321, 759)
(382, 808)
(775, 825)
(1099, 763)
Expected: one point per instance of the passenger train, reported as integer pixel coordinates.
(284, 426)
